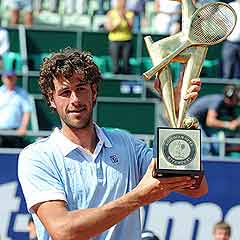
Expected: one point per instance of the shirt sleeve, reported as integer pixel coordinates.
(144, 156)
(214, 104)
(26, 103)
(39, 178)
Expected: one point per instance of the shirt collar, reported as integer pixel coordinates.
(102, 137)
(67, 145)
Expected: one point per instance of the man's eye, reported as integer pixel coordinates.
(65, 93)
(80, 89)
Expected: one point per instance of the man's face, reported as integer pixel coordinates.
(74, 101)
(9, 82)
(221, 234)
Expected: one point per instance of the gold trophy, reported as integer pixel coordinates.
(178, 147)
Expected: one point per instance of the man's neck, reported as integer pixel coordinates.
(10, 89)
(84, 137)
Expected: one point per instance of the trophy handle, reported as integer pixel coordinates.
(192, 70)
(155, 69)
(165, 79)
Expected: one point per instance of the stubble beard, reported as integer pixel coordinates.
(78, 123)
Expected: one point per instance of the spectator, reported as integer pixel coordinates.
(119, 24)
(216, 112)
(16, 6)
(231, 48)
(32, 229)
(4, 44)
(138, 7)
(221, 231)
(166, 21)
(15, 111)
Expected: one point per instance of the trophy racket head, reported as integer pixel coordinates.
(212, 23)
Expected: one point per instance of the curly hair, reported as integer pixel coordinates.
(65, 63)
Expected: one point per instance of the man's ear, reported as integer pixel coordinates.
(52, 103)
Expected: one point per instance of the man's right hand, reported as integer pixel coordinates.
(151, 189)
(234, 124)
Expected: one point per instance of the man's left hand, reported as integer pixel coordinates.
(21, 131)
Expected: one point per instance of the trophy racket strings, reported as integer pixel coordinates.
(210, 24)
(213, 24)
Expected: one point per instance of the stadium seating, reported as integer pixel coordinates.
(124, 101)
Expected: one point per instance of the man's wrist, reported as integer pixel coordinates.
(226, 124)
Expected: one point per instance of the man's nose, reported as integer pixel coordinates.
(75, 97)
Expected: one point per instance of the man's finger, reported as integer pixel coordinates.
(194, 88)
(191, 97)
(196, 81)
(173, 180)
(180, 185)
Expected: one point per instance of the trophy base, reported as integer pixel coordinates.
(194, 174)
(178, 154)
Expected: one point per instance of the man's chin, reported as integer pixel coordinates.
(78, 124)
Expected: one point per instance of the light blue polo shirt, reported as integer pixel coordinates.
(13, 104)
(56, 168)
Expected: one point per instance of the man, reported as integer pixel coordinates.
(222, 231)
(15, 110)
(217, 111)
(85, 182)
(119, 23)
(231, 48)
(16, 6)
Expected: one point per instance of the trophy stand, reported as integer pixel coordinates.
(179, 146)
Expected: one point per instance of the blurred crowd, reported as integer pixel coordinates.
(162, 15)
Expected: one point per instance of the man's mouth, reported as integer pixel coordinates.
(79, 110)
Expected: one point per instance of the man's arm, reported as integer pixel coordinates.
(24, 124)
(213, 121)
(86, 223)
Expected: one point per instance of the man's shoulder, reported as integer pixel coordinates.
(39, 146)
(21, 91)
(115, 131)
(208, 99)
(2, 88)
(115, 134)
(217, 98)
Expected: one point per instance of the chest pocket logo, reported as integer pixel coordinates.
(114, 159)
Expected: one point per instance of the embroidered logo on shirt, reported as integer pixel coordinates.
(114, 158)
